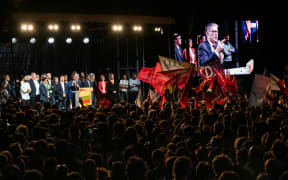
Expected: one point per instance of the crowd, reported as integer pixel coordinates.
(41, 140)
(123, 141)
(59, 90)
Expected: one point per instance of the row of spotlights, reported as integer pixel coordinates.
(77, 28)
(119, 28)
(51, 27)
(27, 27)
(51, 40)
(137, 28)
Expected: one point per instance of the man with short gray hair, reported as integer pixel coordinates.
(210, 51)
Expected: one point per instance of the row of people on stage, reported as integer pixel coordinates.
(34, 88)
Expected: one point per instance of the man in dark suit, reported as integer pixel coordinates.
(88, 82)
(95, 87)
(62, 91)
(35, 93)
(9, 87)
(74, 85)
(210, 51)
(178, 53)
(44, 94)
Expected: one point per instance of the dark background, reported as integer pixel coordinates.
(99, 55)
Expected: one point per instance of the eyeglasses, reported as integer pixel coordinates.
(215, 32)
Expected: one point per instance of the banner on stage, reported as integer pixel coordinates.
(86, 94)
(168, 64)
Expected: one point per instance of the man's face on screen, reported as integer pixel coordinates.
(212, 34)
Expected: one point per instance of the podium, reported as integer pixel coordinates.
(76, 98)
(84, 95)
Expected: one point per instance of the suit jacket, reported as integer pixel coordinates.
(59, 90)
(33, 88)
(206, 56)
(100, 87)
(112, 87)
(178, 54)
(43, 92)
(190, 56)
(73, 87)
(88, 83)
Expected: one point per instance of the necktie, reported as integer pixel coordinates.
(214, 46)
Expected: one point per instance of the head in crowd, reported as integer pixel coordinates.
(182, 168)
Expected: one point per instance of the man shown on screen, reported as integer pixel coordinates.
(177, 49)
(210, 51)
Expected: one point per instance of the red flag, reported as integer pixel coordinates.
(158, 81)
(185, 94)
(229, 87)
(177, 77)
(162, 102)
(281, 84)
(146, 74)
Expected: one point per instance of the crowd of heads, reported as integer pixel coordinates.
(232, 141)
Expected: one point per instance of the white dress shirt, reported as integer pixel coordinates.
(23, 90)
(37, 85)
(63, 87)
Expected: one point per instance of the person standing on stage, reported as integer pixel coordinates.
(124, 85)
(10, 88)
(62, 91)
(44, 92)
(192, 53)
(228, 50)
(210, 51)
(112, 89)
(177, 48)
(25, 89)
(50, 88)
(134, 85)
(35, 92)
(74, 85)
(94, 86)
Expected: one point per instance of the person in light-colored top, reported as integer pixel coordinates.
(228, 50)
(25, 89)
(124, 85)
(134, 85)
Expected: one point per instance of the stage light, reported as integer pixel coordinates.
(137, 28)
(27, 27)
(30, 27)
(24, 27)
(86, 40)
(117, 28)
(32, 40)
(75, 27)
(51, 40)
(53, 27)
(157, 29)
(14, 40)
(69, 40)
